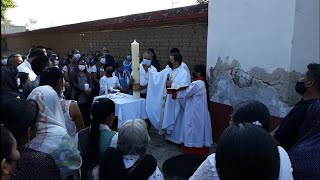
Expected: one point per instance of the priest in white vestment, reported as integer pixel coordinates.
(183, 65)
(171, 119)
(174, 108)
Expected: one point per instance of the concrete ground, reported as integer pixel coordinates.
(162, 150)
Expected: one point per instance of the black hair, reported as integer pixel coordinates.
(39, 63)
(75, 51)
(69, 56)
(107, 65)
(82, 57)
(246, 151)
(251, 111)
(50, 76)
(29, 87)
(40, 47)
(11, 58)
(36, 52)
(177, 57)
(174, 50)
(23, 78)
(40, 60)
(100, 110)
(119, 63)
(7, 142)
(90, 52)
(18, 115)
(314, 74)
(201, 68)
(14, 71)
(154, 54)
(112, 166)
(48, 49)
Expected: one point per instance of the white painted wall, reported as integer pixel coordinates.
(266, 33)
(305, 47)
(255, 32)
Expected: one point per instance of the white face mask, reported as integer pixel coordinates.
(18, 82)
(82, 67)
(4, 61)
(103, 60)
(77, 56)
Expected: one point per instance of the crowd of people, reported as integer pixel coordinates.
(52, 129)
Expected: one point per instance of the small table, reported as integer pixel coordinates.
(127, 107)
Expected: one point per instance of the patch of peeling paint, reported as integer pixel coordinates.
(230, 84)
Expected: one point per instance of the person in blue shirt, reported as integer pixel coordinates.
(109, 57)
(124, 78)
(127, 63)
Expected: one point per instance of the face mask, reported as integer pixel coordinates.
(300, 88)
(4, 61)
(82, 67)
(170, 64)
(129, 58)
(103, 60)
(110, 71)
(77, 56)
(120, 70)
(194, 74)
(146, 62)
(18, 82)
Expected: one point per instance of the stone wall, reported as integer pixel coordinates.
(184, 28)
(258, 54)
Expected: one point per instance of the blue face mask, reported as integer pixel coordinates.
(146, 62)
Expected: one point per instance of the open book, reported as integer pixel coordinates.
(177, 89)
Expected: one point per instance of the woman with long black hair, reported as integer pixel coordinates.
(94, 140)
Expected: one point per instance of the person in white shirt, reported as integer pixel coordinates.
(109, 81)
(184, 65)
(165, 112)
(97, 72)
(145, 69)
(26, 65)
(256, 113)
(174, 108)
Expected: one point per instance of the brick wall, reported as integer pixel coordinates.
(184, 28)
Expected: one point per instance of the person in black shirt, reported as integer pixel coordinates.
(296, 125)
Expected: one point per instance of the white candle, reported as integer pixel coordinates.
(135, 68)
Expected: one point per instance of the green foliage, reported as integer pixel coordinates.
(5, 5)
(202, 1)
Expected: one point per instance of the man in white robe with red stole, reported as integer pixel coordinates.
(171, 119)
